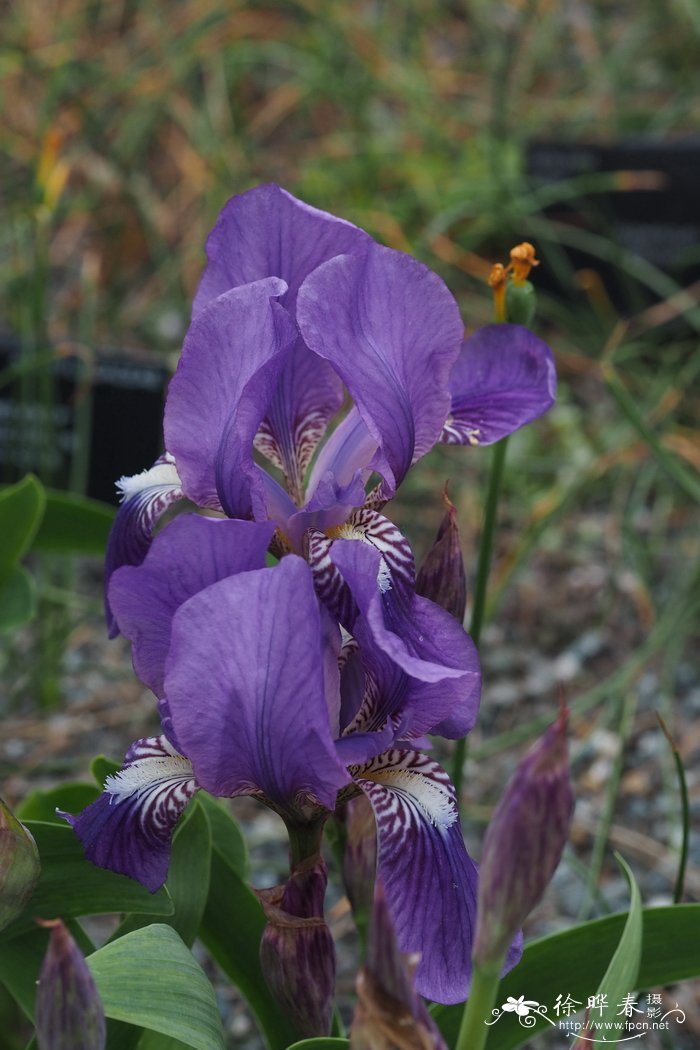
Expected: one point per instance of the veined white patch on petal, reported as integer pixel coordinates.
(418, 780)
(162, 474)
(148, 773)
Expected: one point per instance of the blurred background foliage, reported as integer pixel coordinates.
(128, 124)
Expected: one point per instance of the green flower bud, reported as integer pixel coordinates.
(19, 866)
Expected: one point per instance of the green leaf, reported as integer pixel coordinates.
(325, 1042)
(21, 509)
(150, 978)
(74, 524)
(17, 599)
(156, 1041)
(70, 885)
(102, 767)
(621, 975)
(573, 962)
(226, 834)
(42, 805)
(188, 877)
(231, 929)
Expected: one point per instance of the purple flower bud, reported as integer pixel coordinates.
(297, 951)
(69, 1014)
(442, 577)
(390, 1015)
(523, 843)
(19, 866)
(360, 855)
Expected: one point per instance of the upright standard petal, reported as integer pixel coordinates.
(429, 878)
(231, 360)
(192, 553)
(128, 829)
(145, 498)
(267, 232)
(392, 331)
(245, 683)
(504, 378)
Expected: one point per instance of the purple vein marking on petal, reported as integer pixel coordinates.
(128, 829)
(429, 878)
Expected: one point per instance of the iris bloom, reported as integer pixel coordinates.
(296, 310)
(315, 681)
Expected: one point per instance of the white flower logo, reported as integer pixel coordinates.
(520, 1006)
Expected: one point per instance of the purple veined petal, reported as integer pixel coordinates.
(350, 449)
(392, 331)
(231, 360)
(419, 636)
(245, 684)
(307, 395)
(187, 556)
(395, 571)
(410, 705)
(145, 498)
(266, 232)
(128, 829)
(429, 878)
(504, 378)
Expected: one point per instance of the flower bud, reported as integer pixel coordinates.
(297, 951)
(360, 855)
(442, 577)
(69, 1014)
(523, 844)
(390, 1015)
(19, 866)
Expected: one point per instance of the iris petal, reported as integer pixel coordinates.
(128, 829)
(429, 878)
(504, 378)
(146, 497)
(192, 553)
(392, 331)
(246, 687)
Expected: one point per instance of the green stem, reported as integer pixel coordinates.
(473, 1033)
(685, 814)
(482, 577)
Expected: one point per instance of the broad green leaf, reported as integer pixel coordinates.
(156, 1041)
(226, 834)
(150, 978)
(17, 599)
(573, 962)
(325, 1042)
(42, 805)
(21, 508)
(74, 524)
(70, 885)
(620, 978)
(188, 877)
(102, 767)
(231, 929)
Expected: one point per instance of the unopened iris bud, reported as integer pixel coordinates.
(69, 1013)
(523, 844)
(442, 577)
(297, 951)
(19, 866)
(390, 1015)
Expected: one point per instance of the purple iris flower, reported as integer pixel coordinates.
(261, 693)
(296, 309)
